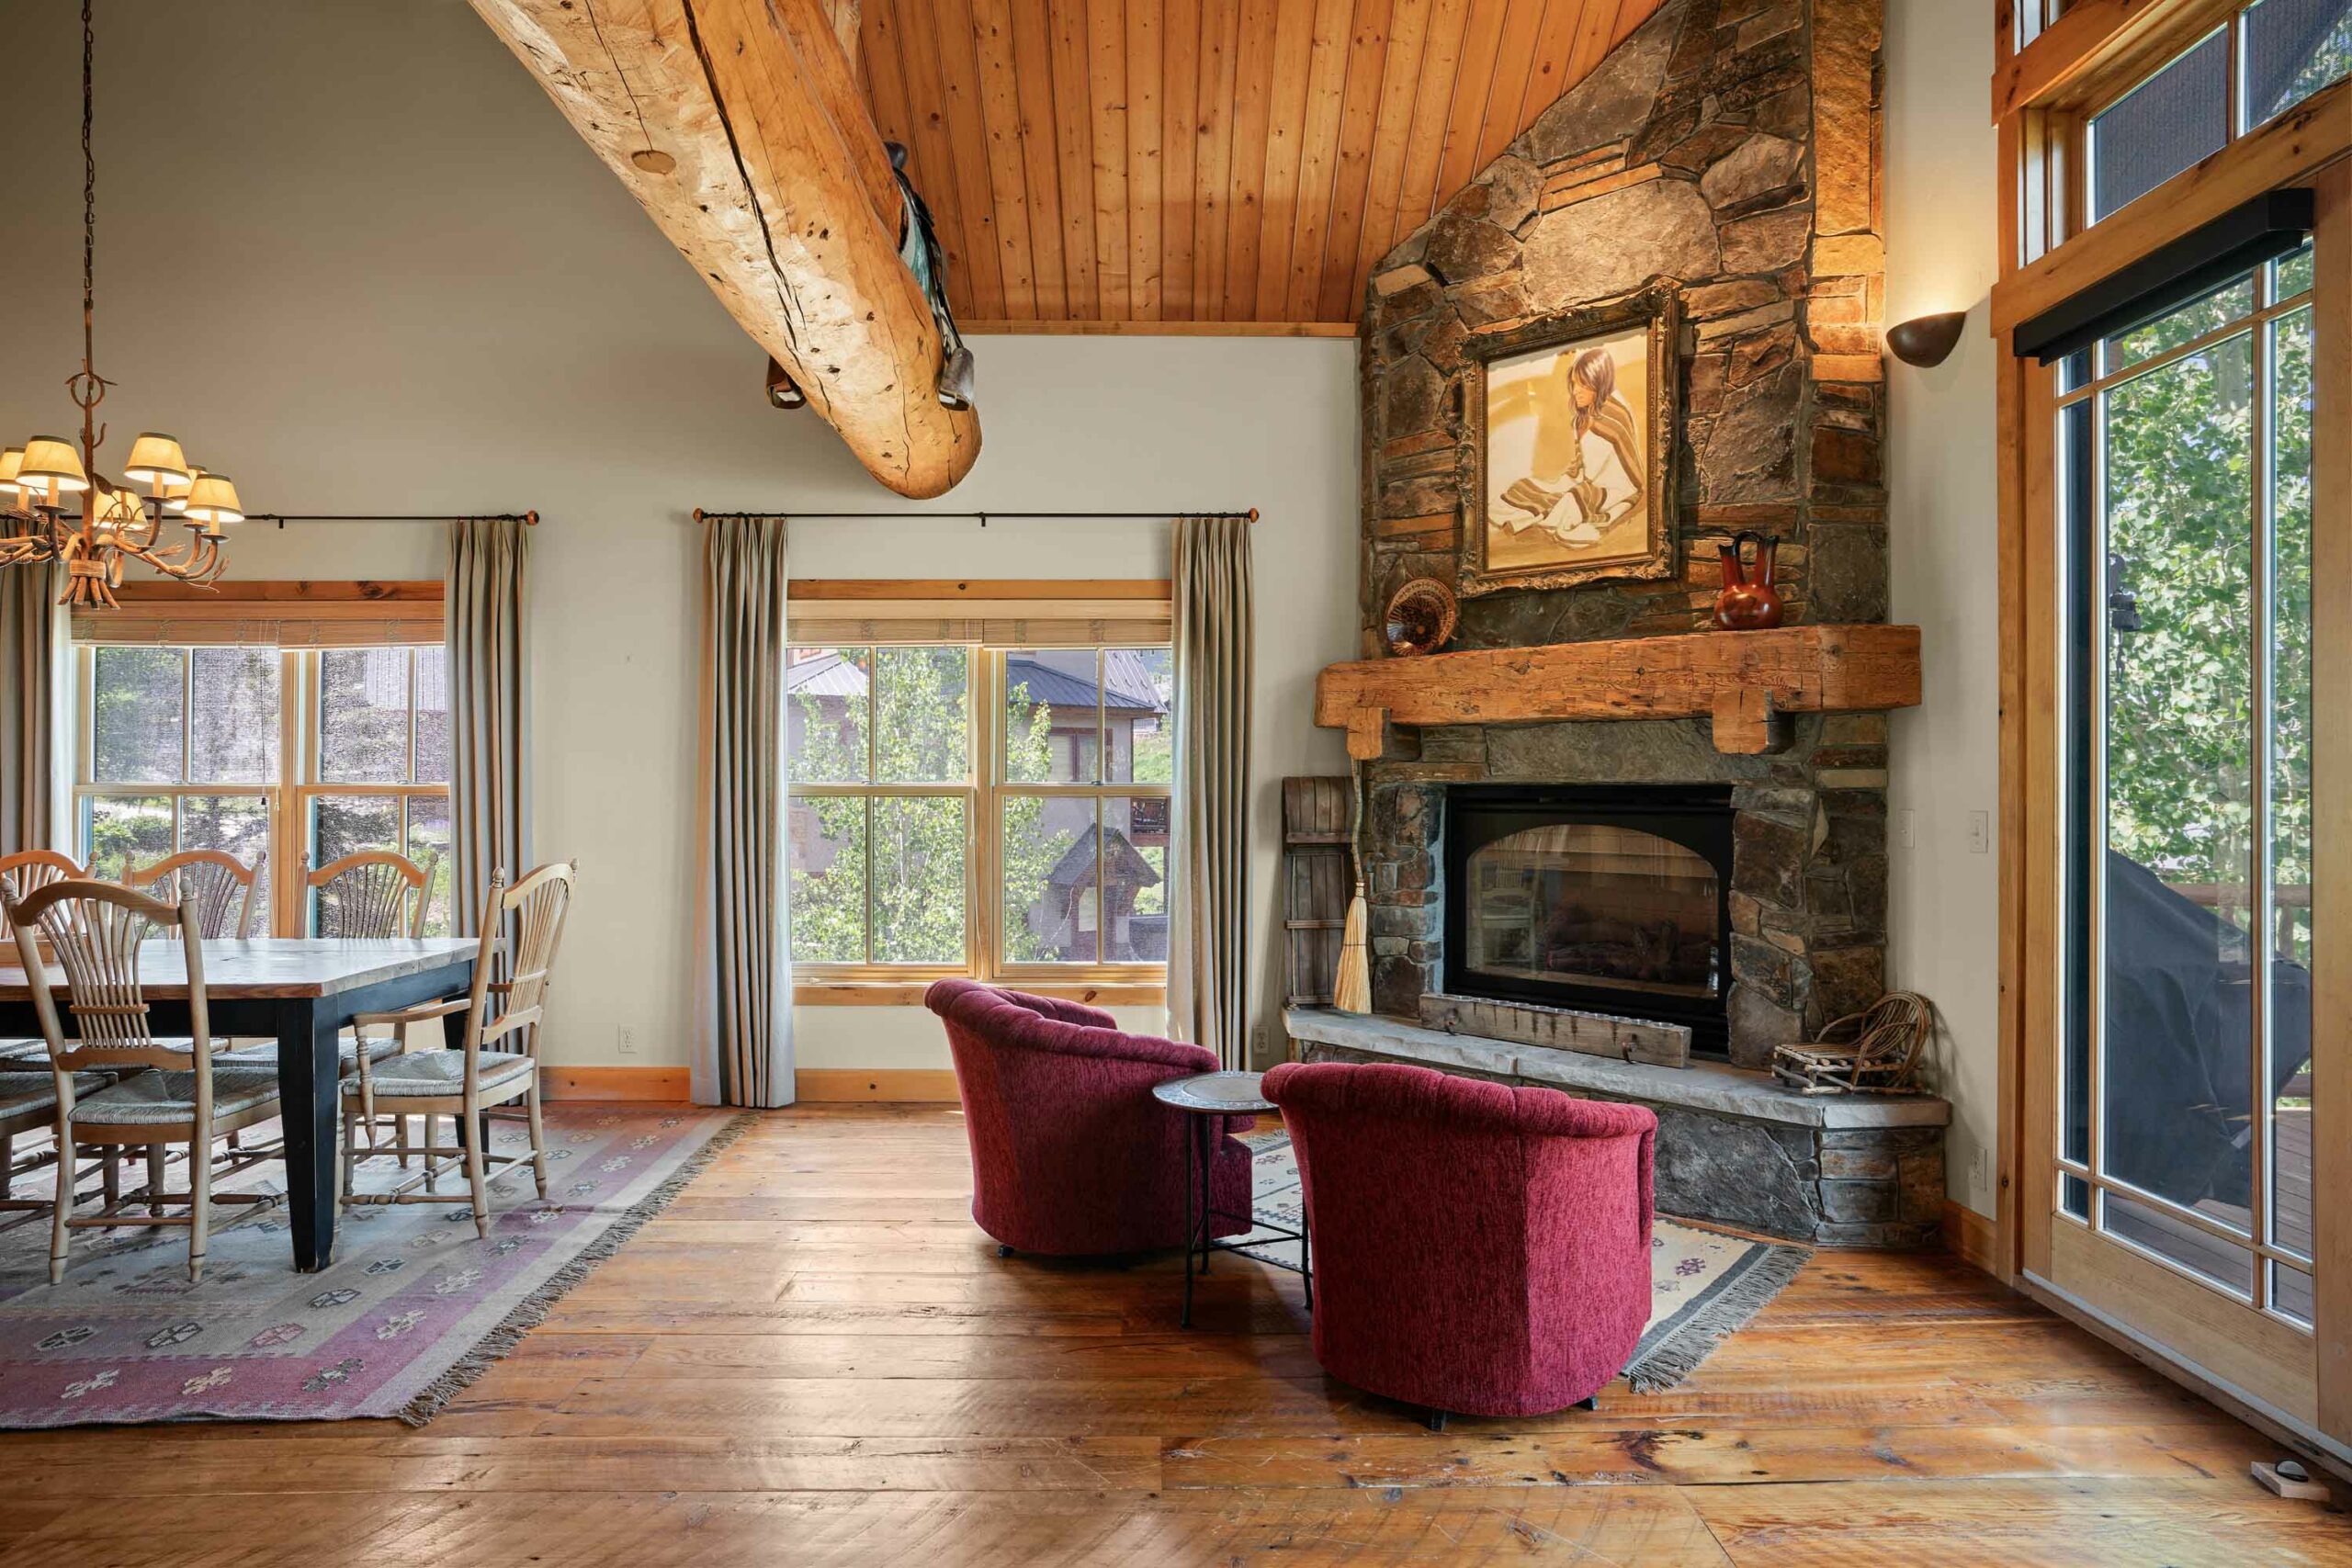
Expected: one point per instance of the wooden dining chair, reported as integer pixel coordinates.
(372, 894)
(214, 885)
(462, 1084)
(172, 1092)
(28, 1104)
(21, 872)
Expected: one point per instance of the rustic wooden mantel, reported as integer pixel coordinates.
(1741, 679)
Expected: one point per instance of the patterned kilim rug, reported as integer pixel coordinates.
(413, 1308)
(1704, 1285)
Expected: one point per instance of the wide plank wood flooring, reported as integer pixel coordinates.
(814, 1358)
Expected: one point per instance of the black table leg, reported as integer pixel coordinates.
(309, 1075)
(1211, 1129)
(1189, 1156)
(1305, 1251)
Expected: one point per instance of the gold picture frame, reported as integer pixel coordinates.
(1573, 449)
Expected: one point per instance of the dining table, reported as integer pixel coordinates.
(304, 991)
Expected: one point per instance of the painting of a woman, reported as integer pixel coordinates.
(1571, 465)
(1586, 465)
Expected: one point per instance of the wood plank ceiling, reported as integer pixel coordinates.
(1116, 164)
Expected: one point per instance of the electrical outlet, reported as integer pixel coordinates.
(1980, 1174)
(1906, 827)
(1258, 1044)
(627, 1043)
(1980, 832)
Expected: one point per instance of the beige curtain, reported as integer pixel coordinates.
(742, 930)
(1208, 926)
(490, 709)
(32, 661)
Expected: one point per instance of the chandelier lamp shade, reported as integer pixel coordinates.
(55, 503)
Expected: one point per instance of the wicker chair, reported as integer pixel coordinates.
(464, 1084)
(175, 1091)
(215, 886)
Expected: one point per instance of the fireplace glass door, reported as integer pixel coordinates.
(1592, 904)
(1601, 899)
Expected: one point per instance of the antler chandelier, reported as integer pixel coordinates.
(61, 508)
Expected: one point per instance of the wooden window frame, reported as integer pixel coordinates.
(904, 613)
(2042, 91)
(305, 732)
(325, 617)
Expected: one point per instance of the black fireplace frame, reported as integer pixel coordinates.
(1697, 816)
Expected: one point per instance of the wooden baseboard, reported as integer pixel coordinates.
(905, 1084)
(1970, 1236)
(616, 1083)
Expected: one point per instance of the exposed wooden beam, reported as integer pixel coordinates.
(844, 16)
(740, 128)
(1158, 329)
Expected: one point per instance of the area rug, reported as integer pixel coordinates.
(1704, 1284)
(413, 1308)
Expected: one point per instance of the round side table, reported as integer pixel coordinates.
(1207, 1099)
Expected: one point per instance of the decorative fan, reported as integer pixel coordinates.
(1420, 618)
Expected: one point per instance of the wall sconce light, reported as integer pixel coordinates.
(1925, 341)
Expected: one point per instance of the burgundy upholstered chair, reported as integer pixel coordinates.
(1478, 1249)
(1071, 1156)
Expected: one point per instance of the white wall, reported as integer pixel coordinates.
(352, 256)
(1940, 255)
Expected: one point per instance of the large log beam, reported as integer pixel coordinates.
(739, 127)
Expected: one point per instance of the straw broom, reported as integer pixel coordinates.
(1351, 989)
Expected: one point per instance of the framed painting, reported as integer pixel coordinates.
(1573, 431)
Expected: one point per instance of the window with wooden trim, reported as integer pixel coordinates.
(958, 808)
(2253, 64)
(304, 752)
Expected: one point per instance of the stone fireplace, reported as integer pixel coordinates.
(1580, 804)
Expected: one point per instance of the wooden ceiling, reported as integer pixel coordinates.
(1133, 162)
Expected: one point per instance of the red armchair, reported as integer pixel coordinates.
(1478, 1249)
(1071, 1155)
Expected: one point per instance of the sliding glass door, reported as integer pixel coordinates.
(2182, 1199)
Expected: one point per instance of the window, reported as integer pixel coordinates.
(2175, 117)
(965, 809)
(317, 752)
(2261, 62)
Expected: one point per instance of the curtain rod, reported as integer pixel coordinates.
(982, 517)
(528, 518)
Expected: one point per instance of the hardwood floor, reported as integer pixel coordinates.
(814, 1358)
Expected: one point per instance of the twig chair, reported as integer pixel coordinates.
(373, 895)
(21, 872)
(215, 885)
(177, 1092)
(1876, 1051)
(462, 1084)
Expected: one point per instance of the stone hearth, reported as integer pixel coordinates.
(1733, 1147)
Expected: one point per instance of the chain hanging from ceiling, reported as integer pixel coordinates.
(60, 507)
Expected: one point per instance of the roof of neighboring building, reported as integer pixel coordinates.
(1127, 683)
(830, 674)
(1127, 869)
